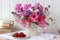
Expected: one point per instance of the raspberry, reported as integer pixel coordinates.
(21, 35)
(15, 35)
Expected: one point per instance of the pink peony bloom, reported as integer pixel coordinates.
(33, 16)
(41, 21)
(40, 18)
(42, 24)
(17, 8)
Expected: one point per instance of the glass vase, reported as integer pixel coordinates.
(32, 30)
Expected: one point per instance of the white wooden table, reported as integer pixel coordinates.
(42, 36)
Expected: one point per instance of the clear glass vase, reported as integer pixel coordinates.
(32, 30)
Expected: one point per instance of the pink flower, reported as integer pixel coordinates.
(25, 24)
(41, 21)
(30, 20)
(33, 16)
(39, 6)
(40, 18)
(27, 6)
(17, 8)
(42, 24)
(24, 13)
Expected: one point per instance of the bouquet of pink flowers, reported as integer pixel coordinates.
(28, 14)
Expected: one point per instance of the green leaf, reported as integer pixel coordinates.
(27, 17)
(47, 24)
(36, 23)
(51, 18)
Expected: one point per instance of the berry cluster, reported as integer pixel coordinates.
(19, 35)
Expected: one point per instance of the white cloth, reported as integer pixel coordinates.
(42, 36)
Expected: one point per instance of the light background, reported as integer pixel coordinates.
(6, 6)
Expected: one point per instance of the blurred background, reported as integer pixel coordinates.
(7, 6)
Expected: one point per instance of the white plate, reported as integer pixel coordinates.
(27, 36)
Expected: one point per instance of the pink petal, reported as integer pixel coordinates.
(35, 16)
(25, 24)
(17, 7)
(41, 8)
(27, 6)
(17, 21)
(42, 24)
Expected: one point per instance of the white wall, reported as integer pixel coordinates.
(6, 6)
(56, 13)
